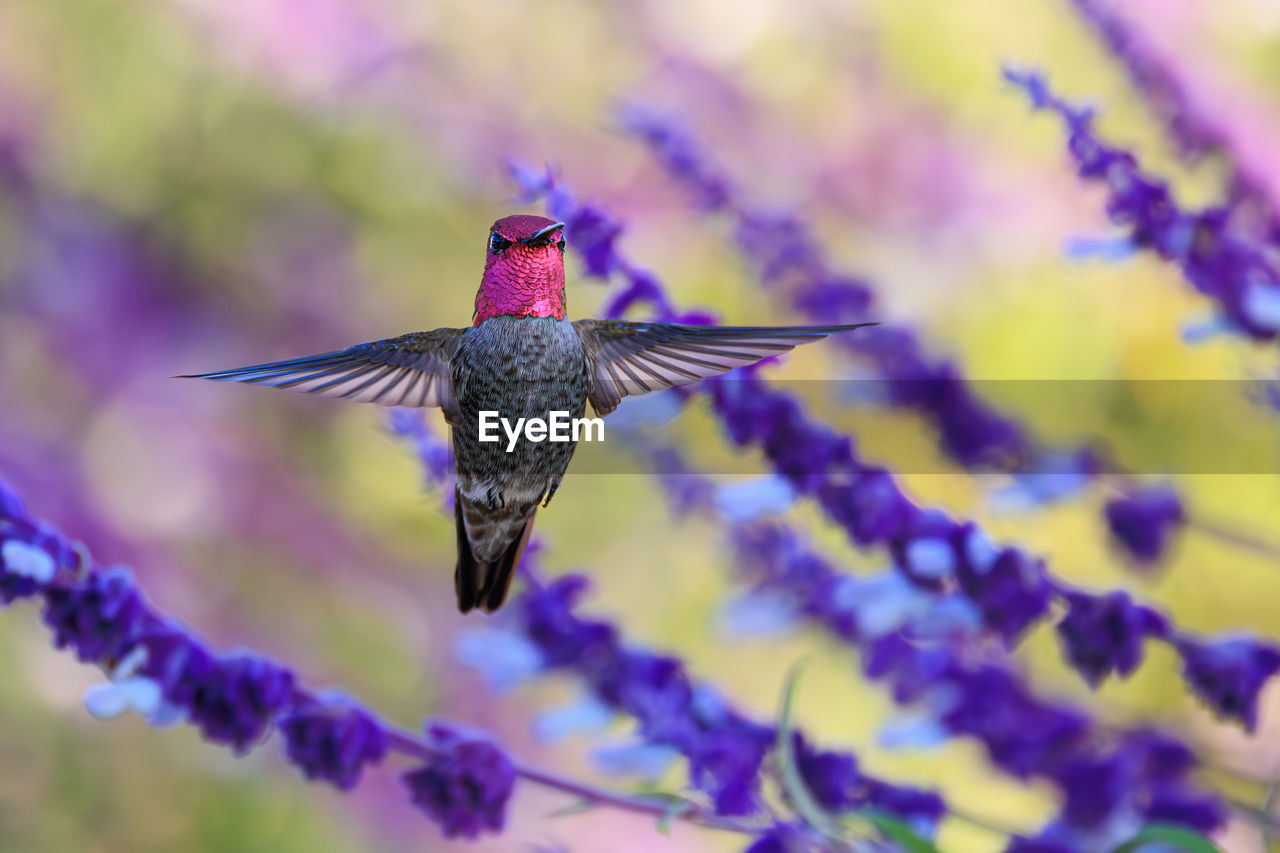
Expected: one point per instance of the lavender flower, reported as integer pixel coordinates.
(465, 789)
(789, 259)
(1143, 521)
(1164, 89)
(786, 256)
(23, 568)
(1181, 805)
(679, 154)
(97, 618)
(1220, 263)
(160, 669)
(1191, 119)
(725, 749)
(831, 777)
(923, 664)
(1010, 588)
(333, 741)
(1103, 634)
(1228, 674)
(1011, 591)
(781, 839)
(239, 699)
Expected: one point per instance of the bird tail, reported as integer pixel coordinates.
(484, 583)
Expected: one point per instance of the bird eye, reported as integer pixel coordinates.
(561, 243)
(497, 243)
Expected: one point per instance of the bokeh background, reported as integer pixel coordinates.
(197, 184)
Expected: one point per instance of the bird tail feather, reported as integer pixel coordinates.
(484, 583)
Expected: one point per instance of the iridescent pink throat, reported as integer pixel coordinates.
(522, 281)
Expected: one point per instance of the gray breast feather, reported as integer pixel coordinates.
(520, 368)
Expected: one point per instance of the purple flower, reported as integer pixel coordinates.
(910, 668)
(99, 618)
(1228, 674)
(1142, 523)
(832, 777)
(24, 569)
(1103, 634)
(725, 762)
(655, 690)
(1186, 807)
(233, 700)
(549, 622)
(1047, 844)
(466, 787)
(593, 232)
(724, 750)
(780, 839)
(435, 455)
(842, 298)
(870, 506)
(1023, 735)
(178, 663)
(1158, 756)
(333, 742)
(641, 288)
(1224, 265)
(678, 155)
(787, 257)
(911, 804)
(1093, 789)
(778, 245)
(969, 431)
(1163, 88)
(239, 698)
(1011, 592)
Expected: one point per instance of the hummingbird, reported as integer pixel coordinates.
(521, 358)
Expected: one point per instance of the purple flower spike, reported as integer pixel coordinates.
(1103, 634)
(99, 618)
(679, 155)
(465, 789)
(1229, 674)
(1215, 257)
(334, 742)
(1143, 523)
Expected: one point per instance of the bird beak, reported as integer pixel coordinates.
(543, 234)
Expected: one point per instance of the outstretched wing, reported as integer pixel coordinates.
(635, 358)
(411, 370)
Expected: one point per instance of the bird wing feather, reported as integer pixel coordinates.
(411, 370)
(636, 358)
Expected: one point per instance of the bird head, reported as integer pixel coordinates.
(523, 269)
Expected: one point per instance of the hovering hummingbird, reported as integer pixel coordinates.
(522, 359)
